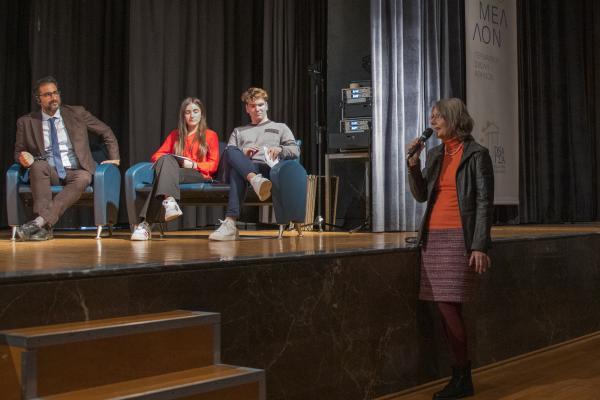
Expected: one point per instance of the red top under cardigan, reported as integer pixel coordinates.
(445, 212)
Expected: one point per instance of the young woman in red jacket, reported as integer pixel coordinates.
(189, 154)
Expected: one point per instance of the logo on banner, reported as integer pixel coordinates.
(492, 19)
(493, 137)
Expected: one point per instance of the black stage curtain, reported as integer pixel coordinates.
(559, 108)
(132, 62)
(83, 44)
(294, 38)
(14, 81)
(215, 50)
(203, 48)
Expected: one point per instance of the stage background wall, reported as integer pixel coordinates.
(348, 59)
(132, 62)
(89, 49)
(15, 78)
(559, 91)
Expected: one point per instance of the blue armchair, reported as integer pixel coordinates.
(288, 193)
(103, 194)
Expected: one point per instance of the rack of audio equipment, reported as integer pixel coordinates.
(353, 142)
(355, 119)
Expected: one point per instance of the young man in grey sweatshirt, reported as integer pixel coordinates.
(245, 158)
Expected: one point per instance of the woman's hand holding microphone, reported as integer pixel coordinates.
(416, 146)
(414, 151)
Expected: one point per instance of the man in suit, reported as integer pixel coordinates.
(53, 144)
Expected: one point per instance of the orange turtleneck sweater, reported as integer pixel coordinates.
(445, 212)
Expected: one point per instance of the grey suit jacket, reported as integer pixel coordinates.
(78, 121)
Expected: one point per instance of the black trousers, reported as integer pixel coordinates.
(167, 177)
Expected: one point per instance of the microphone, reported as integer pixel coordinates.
(423, 138)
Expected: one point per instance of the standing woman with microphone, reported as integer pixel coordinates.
(458, 185)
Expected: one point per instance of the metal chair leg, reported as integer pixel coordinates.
(14, 233)
(110, 231)
(281, 229)
(99, 232)
(162, 229)
(298, 227)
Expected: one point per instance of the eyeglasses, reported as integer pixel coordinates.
(50, 94)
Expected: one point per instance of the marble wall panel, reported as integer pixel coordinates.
(343, 326)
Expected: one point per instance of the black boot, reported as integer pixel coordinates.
(460, 385)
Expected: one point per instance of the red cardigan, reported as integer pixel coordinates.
(208, 166)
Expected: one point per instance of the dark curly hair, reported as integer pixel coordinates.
(42, 81)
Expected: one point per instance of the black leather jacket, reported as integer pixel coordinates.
(474, 186)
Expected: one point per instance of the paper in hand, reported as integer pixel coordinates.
(181, 160)
(270, 162)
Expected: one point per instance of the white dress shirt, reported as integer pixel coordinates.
(69, 159)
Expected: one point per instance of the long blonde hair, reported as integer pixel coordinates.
(199, 136)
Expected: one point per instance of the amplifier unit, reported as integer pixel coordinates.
(356, 95)
(356, 110)
(358, 125)
(348, 141)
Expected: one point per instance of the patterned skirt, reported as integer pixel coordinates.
(445, 272)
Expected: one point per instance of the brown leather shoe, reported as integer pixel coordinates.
(42, 234)
(28, 229)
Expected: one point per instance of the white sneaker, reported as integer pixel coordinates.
(142, 232)
(262, 187)
(227, 231)
(172, 210)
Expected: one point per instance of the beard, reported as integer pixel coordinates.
(52, 107)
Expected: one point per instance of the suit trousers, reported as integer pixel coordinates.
(41, 176)
(167, 177)
(237, 166)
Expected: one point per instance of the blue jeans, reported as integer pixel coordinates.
(236, 167)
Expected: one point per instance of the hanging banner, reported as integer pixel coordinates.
(492, 88)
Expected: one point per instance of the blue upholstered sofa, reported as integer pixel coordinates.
(103, 194)
(288, 193)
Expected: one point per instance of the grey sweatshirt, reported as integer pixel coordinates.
(269, 134)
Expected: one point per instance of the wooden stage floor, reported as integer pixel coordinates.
(566, 371)
(79, 252)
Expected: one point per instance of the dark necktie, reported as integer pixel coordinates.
(60, 168)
